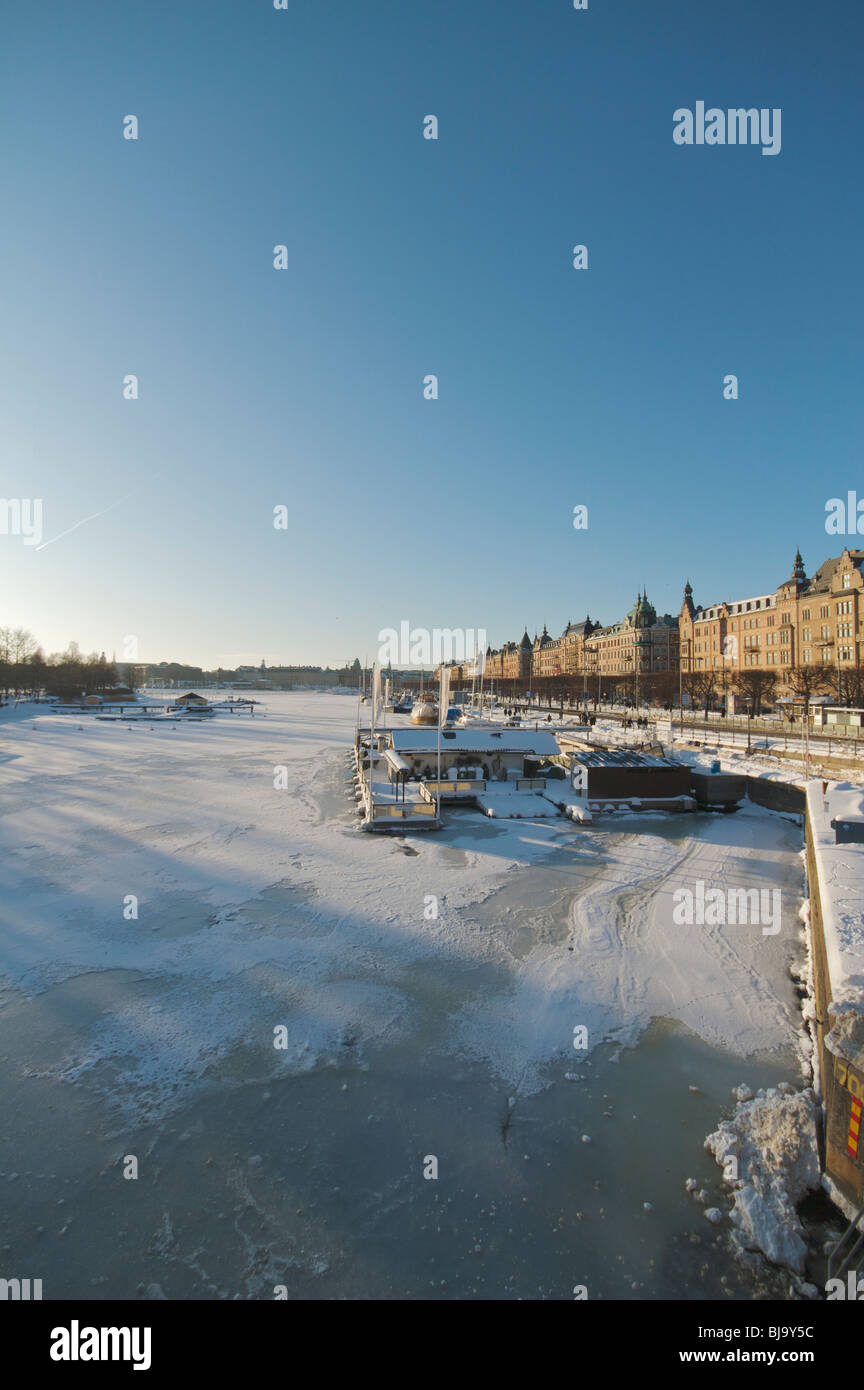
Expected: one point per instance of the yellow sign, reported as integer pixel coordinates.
(849, 1078)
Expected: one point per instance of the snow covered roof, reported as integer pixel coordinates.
(821, 581)
(840, 869)
(735, 606)
(475, 740)
(620, 757)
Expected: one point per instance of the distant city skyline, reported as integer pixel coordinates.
(306, 388)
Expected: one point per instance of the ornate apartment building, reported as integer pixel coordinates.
(804, 622)
(640, 644)
(544, 658)
(512, 662)
(813, 622)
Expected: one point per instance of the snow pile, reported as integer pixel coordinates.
(846, 1039)
(769, 1156)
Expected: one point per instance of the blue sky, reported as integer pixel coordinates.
(304, 387)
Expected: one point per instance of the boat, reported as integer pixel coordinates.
(424, 712)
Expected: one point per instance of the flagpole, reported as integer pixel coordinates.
(443, 702)
(438, 784)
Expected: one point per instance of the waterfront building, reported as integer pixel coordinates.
(805, 622)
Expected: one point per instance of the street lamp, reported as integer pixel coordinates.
(749, 712)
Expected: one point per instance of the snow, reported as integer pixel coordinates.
(840, 870)
(630, 964)
(504, 799)
(260, 907)
(472, 740)
(769, 1156)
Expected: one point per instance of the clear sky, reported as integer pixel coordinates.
(407, 257)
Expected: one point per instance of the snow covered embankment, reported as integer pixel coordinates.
(769, 1156)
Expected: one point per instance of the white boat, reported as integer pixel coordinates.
(424, 712)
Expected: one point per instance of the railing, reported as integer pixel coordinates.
(403, 810)
(846, 738)
(847, 1248)
(450, 786)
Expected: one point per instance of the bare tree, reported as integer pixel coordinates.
(807, 681)
(21, 645)
(701, 686)
(24, 644)
(661, 686)
(846, 684)
(5, 658)
(757, 687)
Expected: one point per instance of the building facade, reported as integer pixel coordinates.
(641, 644)
(805, 622)
(811, 624)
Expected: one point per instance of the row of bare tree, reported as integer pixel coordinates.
(706, 689)
(758, 689)
(24, 668)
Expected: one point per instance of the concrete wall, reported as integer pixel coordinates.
(714, 788)
(776, 796)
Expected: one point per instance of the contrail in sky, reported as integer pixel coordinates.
(93, 517)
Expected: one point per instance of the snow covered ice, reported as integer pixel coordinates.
(260, 909)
